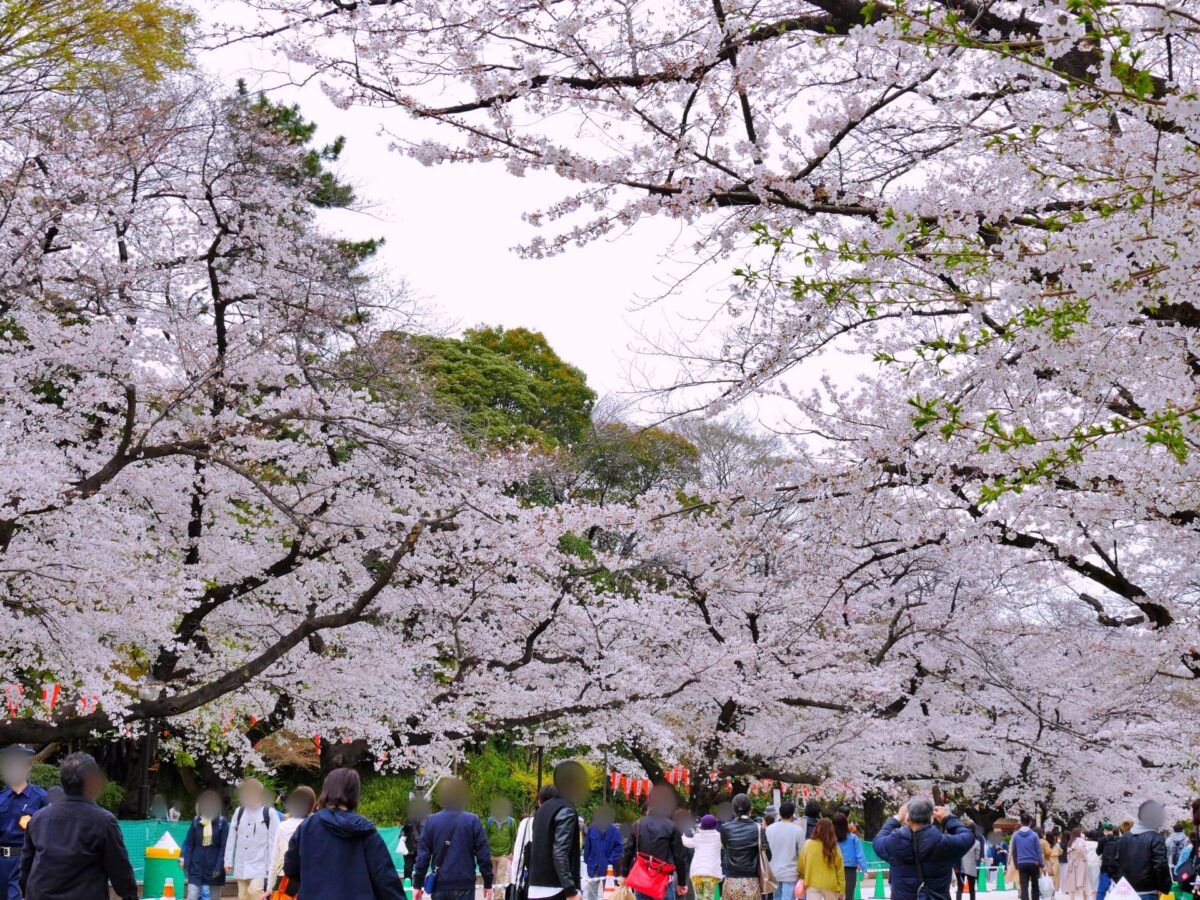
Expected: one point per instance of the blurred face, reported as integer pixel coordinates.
(501, 808)
(15, 770)
(571, 781)
(452, 793)
(684, 820)
(93, 785)
(603, 818)
(250, 795)
(662, 800)
(418, 809)
(208, 807)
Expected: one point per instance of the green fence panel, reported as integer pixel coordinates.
(140, 835)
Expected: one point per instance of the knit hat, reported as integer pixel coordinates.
(708, 823)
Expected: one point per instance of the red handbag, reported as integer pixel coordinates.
(648, 875)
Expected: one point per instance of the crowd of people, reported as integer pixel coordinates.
(60, 845)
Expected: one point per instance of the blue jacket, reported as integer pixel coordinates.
(468, 849)
(602, 849)
(340, 854)
(205, 865)
(939, 853)
(1026, 848)
(853, 856)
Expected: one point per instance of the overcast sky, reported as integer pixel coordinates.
(450, 231)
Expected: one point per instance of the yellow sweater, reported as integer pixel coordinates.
(816, 873)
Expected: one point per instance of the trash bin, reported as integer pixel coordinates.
(162, 862)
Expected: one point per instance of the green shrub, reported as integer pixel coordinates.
(385, 798)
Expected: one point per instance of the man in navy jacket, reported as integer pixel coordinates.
(910, 836)
(452, 844)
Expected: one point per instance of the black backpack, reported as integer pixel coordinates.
(1110, 858)
(1186, 874)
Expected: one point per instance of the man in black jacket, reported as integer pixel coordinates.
(1143, 853)
(657, 835)
(555, 845)
(73, 849)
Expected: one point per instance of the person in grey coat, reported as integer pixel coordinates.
(968, 866)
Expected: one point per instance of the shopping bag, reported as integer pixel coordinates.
(650, 876)
(1046, 887)
(280, 892)
(799, 891)
(1123, 890)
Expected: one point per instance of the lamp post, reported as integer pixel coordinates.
(149, 690)
(541, 738)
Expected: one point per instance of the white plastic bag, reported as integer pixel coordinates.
(1123, 890)
(1046, 887)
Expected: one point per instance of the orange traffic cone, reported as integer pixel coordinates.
(169, 889)
(610, 884)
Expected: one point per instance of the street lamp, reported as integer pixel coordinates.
(149, 690)
(541, 739)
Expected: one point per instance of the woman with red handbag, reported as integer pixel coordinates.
(743, 842)
(655, 862)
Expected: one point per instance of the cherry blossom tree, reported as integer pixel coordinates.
(986, 207)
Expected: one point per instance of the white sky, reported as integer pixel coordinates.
(450, 231)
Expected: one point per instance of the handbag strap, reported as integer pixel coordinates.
(917, 859)
(445, 848)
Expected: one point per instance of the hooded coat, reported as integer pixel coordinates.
(336, 853)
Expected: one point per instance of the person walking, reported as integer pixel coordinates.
(821, 866)
(203, 855)
(657, 836)
(300, 805)
(251, 837)
(853, 856)
(1110, 860)
(922, 857)
(602, 847)
(1176, 841)
(74, 849)
(785, 838)
(18, 802)
(968, 866)
(556, 845)
(501, 831)
(1027, 858)
(453, 844)
(338, 853)
(812, 814)
(1075, 881)
(1187, 868)
(1050, 855)
(705, 867)
(741, 841)
(1143, 853)
(520, 860)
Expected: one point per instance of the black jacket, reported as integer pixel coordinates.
(1143, 858)
(555, 847)
(1109, 850)
(73, 849)
(659, 837)
(740, 840)
(939, 852)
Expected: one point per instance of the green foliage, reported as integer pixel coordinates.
(623, 461)
(508, 387)
(385, 797)
(287, 122)
(45, 775)
(64, 44)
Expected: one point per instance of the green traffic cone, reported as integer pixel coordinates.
(1000, 879)
(408, 887)
(981, 880)
(878, 895)
(857, 889)
(717, 892)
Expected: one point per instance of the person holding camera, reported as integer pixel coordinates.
(921, 855)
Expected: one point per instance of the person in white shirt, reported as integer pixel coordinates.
(300, 804)
(251, 839)
(786, 837)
